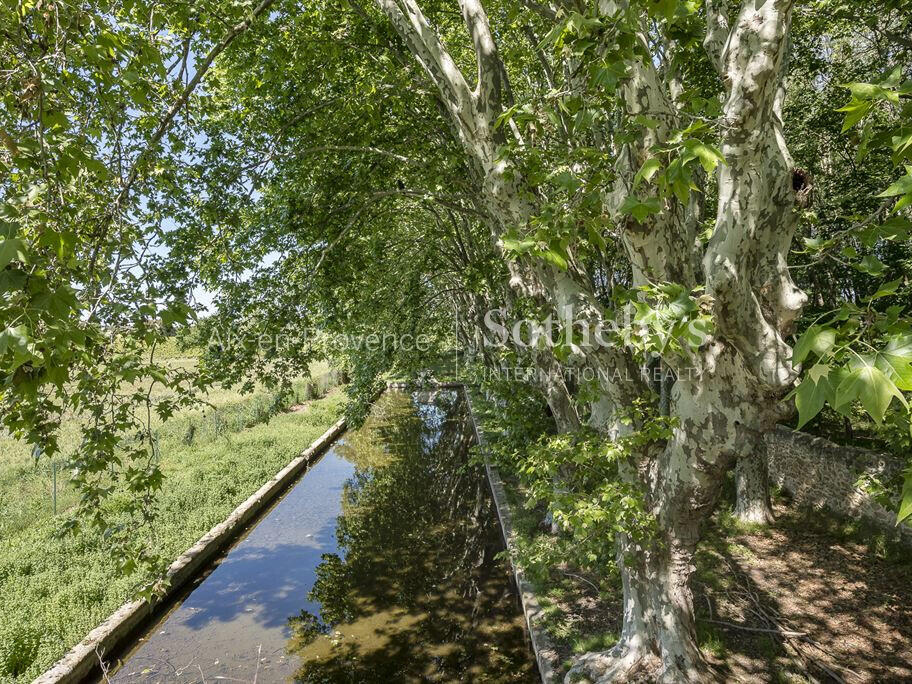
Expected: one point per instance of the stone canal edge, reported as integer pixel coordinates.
(120, 628)
(545, 654)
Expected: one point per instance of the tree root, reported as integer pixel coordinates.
(623, 663)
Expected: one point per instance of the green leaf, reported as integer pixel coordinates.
(871, 265)
(640, 209)
(816, 244)
(554, 258)
(12, 249)
(898, 369)
(894, 78)
(812, 393)
(904, 201)
(896, 361)
(14, 339)
(865, 91)
(900, 345)
(887, 289)
(815, 339)
(567, 181)
(900, 143)
(902, 187)
(708, 155)
(595, 237)
(698, 331)
(517, 245)
(872, 388)
(663, 8)
(895, 228)
(647, 171)
(855, 111)
(905, 508)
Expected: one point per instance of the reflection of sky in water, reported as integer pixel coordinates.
(428, 409)
(239, 613)
(246, 602)
(421, 594)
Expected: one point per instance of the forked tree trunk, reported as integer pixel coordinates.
(742, 372)
(658, 640)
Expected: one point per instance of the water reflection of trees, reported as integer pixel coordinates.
(418, 593)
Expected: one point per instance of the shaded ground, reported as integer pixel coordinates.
(809, 598)
(844, 594)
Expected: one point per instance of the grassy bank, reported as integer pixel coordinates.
(53, 591)
(27, 484)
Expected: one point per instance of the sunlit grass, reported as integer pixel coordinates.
(27, 490)
(53, 590)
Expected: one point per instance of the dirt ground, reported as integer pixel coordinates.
(838, 601)
(810, 598)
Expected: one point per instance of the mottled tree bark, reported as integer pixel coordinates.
(728, 394)
(726, 391)
(752, 500)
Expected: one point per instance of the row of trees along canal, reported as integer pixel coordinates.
(720, 184)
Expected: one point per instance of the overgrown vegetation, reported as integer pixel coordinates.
(736, 577)
(55, 589)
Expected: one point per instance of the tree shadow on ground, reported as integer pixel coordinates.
(847, 601)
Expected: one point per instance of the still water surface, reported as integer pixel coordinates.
(377, 566)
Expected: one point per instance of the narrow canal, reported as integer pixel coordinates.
(379, 565)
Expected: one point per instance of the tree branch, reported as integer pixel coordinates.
(330, 148)
(539, 8)
(490, 69)
(717, 33)
(168, 118)
(412, 26)
(166, 121)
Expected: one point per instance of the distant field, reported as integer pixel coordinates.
(54, 591)
(27, 484)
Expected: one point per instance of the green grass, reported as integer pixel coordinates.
(54, 590)
(27, 484)
(711, 640)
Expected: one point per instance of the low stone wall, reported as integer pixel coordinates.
(818, 473)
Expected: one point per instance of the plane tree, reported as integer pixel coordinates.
(347, 169)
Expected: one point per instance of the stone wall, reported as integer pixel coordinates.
(818, 473)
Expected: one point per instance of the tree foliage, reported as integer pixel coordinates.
(343, 169)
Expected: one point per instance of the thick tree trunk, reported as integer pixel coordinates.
(740, 374)
(551, 381)
(756, 301)
(752, 501)
(658, 640)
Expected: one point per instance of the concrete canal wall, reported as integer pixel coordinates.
(115, 633)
